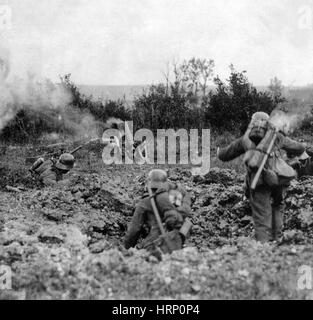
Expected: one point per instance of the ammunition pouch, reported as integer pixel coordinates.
(36, 165)
(186, 228)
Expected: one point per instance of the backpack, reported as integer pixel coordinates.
(276, 171)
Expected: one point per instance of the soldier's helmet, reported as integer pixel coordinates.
(258, 126)
(65, 162)
(260, 116)
(304, 156)
(156, 178)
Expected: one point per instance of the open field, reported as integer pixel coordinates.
(66, 243)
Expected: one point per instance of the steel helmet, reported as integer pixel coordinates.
(260, 116)
(156, 178)
(65, 162)
(258, 127)
(304, 156)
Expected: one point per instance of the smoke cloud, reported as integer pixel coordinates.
(44, 98)
(30, 92)
(290, 120)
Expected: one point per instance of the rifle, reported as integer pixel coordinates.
(57, 153)
(265, 158)
(76, 149)
(158, 218)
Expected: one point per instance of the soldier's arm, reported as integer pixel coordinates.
(292, 147)
(232, 151)
(134, 228)
(185, 208)
(172, 218)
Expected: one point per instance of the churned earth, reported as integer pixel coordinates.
(66, 242)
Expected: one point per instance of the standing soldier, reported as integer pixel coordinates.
(267, 196)
(51, 172)
(171, 216)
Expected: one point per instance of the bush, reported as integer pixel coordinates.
(99, 110)
(183, 103)
(29, 125)
(232, 104)
(39, 115)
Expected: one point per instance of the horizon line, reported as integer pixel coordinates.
(211, 85)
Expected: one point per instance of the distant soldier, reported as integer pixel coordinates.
(302, 164)
(123, 141)
(266, 198)
(51, 172)
(172, 215)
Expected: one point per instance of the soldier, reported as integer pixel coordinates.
(302, 164)
(171, 216)
(51, 172)
(265, 200)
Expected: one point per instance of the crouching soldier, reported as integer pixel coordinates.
(266, 196)
(164, 218)
(51, 172)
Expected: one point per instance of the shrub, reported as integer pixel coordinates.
(233, 103)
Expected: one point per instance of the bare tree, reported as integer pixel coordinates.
(196, 74)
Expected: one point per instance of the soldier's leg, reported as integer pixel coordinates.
(152, 236)
(277, 216)
(260, 201)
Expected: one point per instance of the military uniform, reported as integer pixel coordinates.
(48, 173)
(265, 201)
(304, 167)
(170, 215)
(185, 208)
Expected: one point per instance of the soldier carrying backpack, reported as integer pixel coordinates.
(164, 212)
(51, 172)
(267, 173)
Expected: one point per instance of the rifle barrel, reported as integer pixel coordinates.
(76, 149)
(158, 218)
(156, 212)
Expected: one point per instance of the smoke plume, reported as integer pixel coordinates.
(292, 119)
(42, 97)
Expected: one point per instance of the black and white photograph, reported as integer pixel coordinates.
(156, 150)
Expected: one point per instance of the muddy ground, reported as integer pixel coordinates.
(66, 243)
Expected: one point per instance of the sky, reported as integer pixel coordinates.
(129, 42)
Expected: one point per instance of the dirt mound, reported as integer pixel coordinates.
(247, 270)
(221, 212)
(225, 177)
(299, 212)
